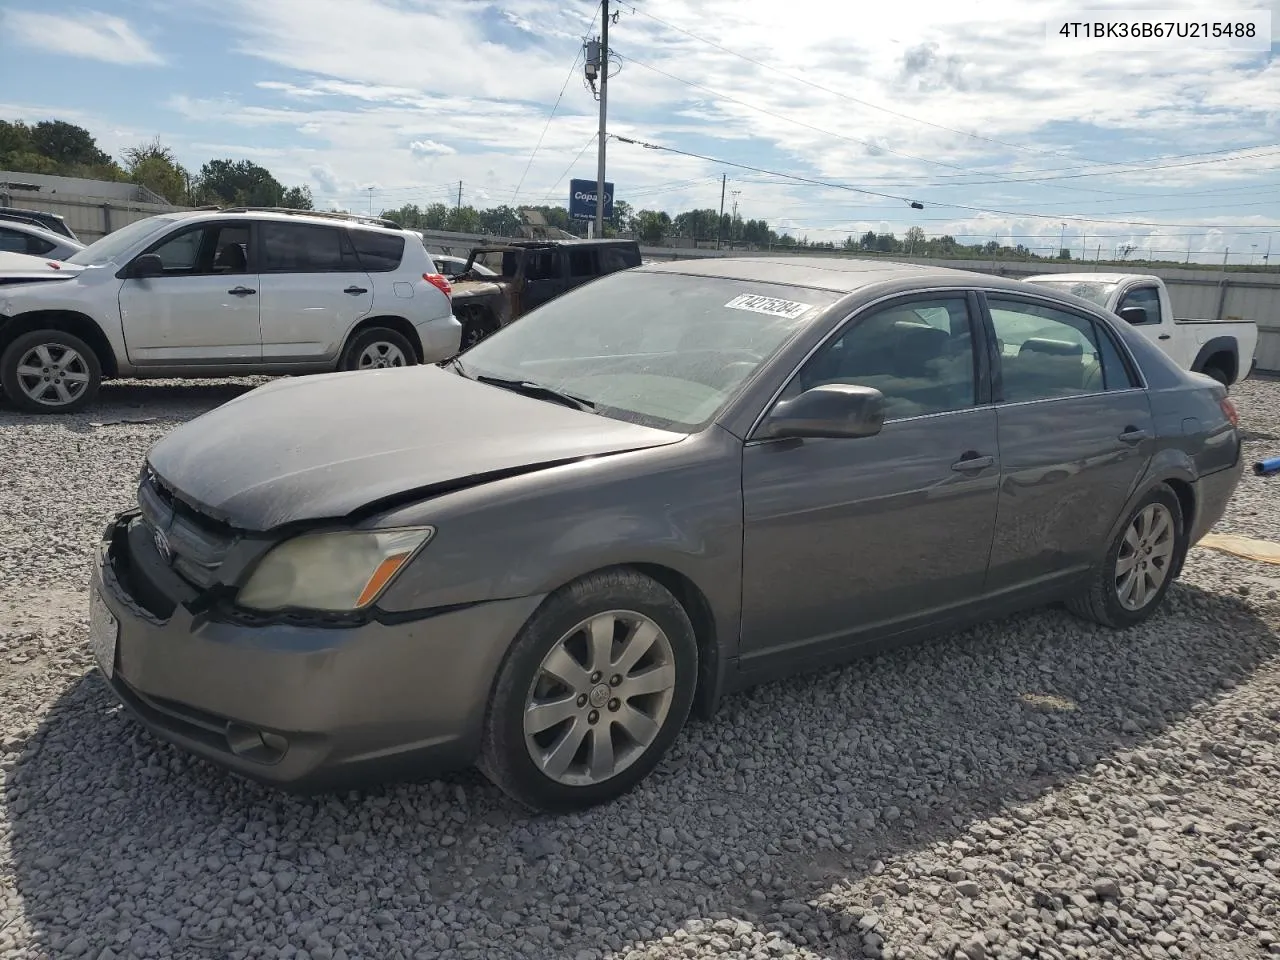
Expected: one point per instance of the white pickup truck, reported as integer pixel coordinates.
(1222, 349)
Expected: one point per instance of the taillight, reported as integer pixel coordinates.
(440, 282)
(1229, 411)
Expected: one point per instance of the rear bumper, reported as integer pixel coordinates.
(441, 338)
(1213, 492)
(304, 707)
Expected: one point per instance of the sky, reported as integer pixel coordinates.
(965, 106)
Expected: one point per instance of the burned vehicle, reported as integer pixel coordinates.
(526, 274)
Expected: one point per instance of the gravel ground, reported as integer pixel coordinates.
(1035, 787)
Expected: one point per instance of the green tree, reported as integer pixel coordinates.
(914, 240)
(154, 166)
(623, 214)
(239, 182)
(501, 221)
(67, 145)
(297, 198)
(15, 139)
(652, 225)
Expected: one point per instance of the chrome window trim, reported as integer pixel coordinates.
(925, 293)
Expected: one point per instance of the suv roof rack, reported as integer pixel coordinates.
(329, 214)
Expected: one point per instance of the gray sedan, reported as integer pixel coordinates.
(662, 487)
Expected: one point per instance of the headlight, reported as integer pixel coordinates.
(331, 571)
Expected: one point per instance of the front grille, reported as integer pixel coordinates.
(196, 545)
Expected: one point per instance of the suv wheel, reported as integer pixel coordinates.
(50, 371)
(376, 348)
(592, 693)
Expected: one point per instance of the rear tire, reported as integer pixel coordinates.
(377, 348)
(567, 727)
(50, 371)
(1148, 549)
(1218, 374)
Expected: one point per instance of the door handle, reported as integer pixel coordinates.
(242, 291)
(354, 290)
(1163, 336)
(973, 462)
(1132, 435)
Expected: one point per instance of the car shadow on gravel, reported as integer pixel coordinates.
(795, 787)
(127, 401)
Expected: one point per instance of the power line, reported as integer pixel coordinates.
(743, 166)
(955, 206)
(871, 145)
(556, 106)
(570, 167)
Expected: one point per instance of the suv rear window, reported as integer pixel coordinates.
(378, 252)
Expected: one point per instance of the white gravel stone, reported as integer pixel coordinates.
(1033, 787)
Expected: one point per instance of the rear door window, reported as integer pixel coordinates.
(306, 248)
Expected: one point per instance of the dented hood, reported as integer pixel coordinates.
(321, 447)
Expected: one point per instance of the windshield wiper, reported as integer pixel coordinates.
(538, 391)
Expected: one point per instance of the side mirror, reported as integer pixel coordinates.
(1134, 314)
(830, 410)
(146, 266)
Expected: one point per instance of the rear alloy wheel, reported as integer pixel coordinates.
(593, 692)
(377, 349)
(1140, 565)
(50, 371)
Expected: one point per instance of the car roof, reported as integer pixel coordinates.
(21, 226)
(318, 217)
(836, 274)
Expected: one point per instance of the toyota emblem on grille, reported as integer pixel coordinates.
(162, 546)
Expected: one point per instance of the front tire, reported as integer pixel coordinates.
(592, 694)
(1140, 564)
(50, 371)
(377, 348)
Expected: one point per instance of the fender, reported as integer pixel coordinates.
(1168, 464)
(1223, 344)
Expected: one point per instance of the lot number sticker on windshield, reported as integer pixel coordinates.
(790, 309)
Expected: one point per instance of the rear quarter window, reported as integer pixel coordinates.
(378, 252)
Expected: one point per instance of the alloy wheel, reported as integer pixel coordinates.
(1145, 557)
(599, 698)
(381, 354)
(53, 374)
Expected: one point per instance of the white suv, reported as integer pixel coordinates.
(224, 293)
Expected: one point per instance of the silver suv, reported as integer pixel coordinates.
(224, 293)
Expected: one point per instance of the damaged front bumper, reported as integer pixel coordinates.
(306, 706)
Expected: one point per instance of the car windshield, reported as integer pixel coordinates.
(1095, 290)
(117, 243)
(660, 349)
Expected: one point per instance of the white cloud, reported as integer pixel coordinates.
(80, 33)
(430, 148)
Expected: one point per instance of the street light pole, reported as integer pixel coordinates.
(604, 101)
(1062, 239)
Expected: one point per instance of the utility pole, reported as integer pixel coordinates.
(370, 189)
(459, 194)
(734, 216)
(720, 223)
(604, 107)
(1062, 239)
